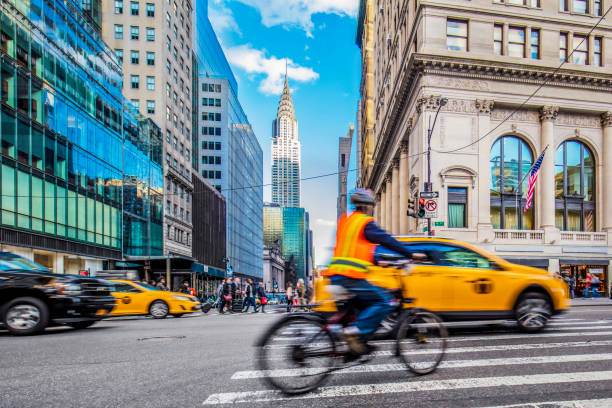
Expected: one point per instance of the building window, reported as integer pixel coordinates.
(217, 160)
(118, 6)
(217, 131)
(218, 102)
(511, 160)
(168, 211)
(119, 31)
(151, 83)
(205, 173)
(563, 45)
(119, 54)
(563, 5)
(134, 8)
(168, 136)
(217, 145)
(135, 57)
(498, 39)
(135, 81)
(150, 107)
(574, 187)
(597, 9)
(150, 10)
(150, 58)
(217, 117)
(581, 50)
(597, 51)
(150, 34)
(456, 35)
(535, 43)
(217, 175)
(457, 207)
(135, 103)
(516, 42)
(581, 6)
(134, 32)
(218, 88)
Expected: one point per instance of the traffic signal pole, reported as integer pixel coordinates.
(428, 186)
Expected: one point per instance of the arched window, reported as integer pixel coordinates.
(574, 187)
(511, 160)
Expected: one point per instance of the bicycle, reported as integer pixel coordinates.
(315, 344)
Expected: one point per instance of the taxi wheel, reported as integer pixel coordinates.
(533, 311)
(159, 309)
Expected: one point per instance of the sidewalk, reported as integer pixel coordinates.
(601, 301)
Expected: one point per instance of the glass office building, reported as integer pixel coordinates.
(289, 227)
(238, 159)
(142, 185)
(61, 137)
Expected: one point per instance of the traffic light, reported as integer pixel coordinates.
(421, 213)
(411, 208)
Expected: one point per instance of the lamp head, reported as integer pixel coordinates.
(443, 101)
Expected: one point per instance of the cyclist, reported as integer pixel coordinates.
(356, 240)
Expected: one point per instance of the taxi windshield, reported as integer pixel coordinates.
(146, 286)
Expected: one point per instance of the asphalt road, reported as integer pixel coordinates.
(208, 360)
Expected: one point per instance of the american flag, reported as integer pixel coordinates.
(533, 176)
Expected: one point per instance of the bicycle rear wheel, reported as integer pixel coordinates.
(296, 354)
(421, 342)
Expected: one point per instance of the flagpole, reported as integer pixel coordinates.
(523, 179)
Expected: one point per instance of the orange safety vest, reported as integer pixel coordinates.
(353, 254)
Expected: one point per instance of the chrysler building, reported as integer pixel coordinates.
(285, 153)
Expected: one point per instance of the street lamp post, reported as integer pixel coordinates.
(428, 185)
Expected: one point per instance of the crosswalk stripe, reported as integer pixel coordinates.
(585, 323)
(594, 403)
(371, 368)
(412, 386)
(476, 338)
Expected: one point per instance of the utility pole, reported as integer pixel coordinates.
(428, 185)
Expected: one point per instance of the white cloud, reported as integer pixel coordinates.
(256, 62)
(325, 223)
(298, 13)
(221, 17)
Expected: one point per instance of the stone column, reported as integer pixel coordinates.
(395, 197)
(606, 175)
(389, 200)
(404, 190)
(382, 204)
(546, 181)
(377, 208)
(484, 226)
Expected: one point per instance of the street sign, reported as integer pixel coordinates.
(431, 208)
(429, 194)
(438, 223)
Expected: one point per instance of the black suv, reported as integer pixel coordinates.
(32, 297)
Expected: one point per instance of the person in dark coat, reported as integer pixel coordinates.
(249, 299)
(226, 293)
(261, 294)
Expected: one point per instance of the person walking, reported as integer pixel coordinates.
(226, 296)
(289, 295)
(185, 288)
(261, 294)
(249, 299)
(300, 290)
(595, 283)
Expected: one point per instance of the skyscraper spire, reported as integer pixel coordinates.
(286, 77)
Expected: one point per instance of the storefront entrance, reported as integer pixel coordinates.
(579, 273)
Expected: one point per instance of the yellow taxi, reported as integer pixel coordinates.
(141, 299)
(460, 282)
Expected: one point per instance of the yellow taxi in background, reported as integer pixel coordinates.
(140, 299)
(460, 282)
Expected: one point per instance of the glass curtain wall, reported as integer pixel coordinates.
(574, 187)
(60, 125)
(511, 160)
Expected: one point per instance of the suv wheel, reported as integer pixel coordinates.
(25, 315)
(533, 311)
(159, 309)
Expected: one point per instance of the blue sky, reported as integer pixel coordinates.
(317, 37)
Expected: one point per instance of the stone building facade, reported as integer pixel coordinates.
(498, 64)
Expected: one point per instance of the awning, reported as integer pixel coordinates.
(574, 261)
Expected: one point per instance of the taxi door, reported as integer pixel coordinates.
(477, 283)
(127, 298)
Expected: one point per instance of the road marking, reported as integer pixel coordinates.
(594, 403)
(561, 324)
(412, 386)
(372, 368)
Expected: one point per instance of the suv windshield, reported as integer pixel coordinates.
(8, 263)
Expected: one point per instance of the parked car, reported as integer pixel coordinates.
(142, 299)
(33, 298)
(459, 281)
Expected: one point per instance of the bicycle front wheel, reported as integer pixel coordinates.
(297, 354)
(421, 342)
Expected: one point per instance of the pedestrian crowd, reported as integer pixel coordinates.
(234, 298)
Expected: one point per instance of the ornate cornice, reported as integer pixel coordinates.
(403, 147)
(428, 102)
(549, 112)
(484, 106)
(395, 163)
(606, 119)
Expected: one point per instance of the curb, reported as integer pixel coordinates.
(599, 304)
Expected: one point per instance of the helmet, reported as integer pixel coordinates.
(362, 196)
